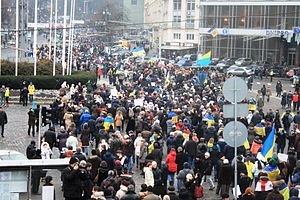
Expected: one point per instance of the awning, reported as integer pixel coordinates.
(177, 48)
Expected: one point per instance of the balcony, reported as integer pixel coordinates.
(176, 24)
(189, 25)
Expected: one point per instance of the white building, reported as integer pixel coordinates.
(176, 22)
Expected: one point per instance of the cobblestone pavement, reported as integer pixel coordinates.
(16, 137)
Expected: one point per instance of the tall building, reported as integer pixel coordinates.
(175, 23)
(133, 11)
(261, 30)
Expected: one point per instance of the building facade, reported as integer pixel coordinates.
(261, 30)
(134, 11)
(175, 23)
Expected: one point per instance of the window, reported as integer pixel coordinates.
(177, 36)
(177, 5)
(190, 22)
(176, 21)
(190, 36)
(134, 2)
(190, 4)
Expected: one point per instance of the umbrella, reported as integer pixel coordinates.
(171, 114)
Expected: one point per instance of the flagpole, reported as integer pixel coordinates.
(64, 38)
(50, 24)
(17, 38)
(35, 36)
(55, 42)
(72, 36)
(69, 45)
(0, 35)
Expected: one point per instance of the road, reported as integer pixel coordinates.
(16, 137)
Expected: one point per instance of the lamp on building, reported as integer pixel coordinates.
(225, 19)
(242, 20)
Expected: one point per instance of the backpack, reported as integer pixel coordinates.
(198, 192)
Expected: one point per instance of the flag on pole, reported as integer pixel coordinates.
(138, 51)
(268, 146)
(204, 60)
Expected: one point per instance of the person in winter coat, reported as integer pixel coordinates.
(181, 177)
(190, 184)
(248, 194)
(181, 158)
(68, 117)
(50, 137)
(130, 194)
(102, 173)
(171, 193)
(245, 182)
(283, 100)
(123, 189)
(31, 122)
(280, 140)
(256, 145)
(287, 120)
(278, 88)
(207, 169)
(156, 154)
(149, 177)
(225, 178)
(297, 144)
(72, 180)
(241, 167)
(95, 162)
(139, 140)
(85, 138)
(46, 152)
(263, 187)
(172, 166)
(156, 173)
(62, 139)
(31, 150)
(190, 148)
(171, 142)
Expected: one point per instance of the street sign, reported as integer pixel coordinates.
(240, 135)
(241, 111)
(296, 30)
(235, 84)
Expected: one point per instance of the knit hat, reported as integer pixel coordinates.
(179, 149)
(225, 161)
(274, 160)
(103, 164)
(207, 154)
(189, 177)
(73, 160)
(186, 165)
(130, 188)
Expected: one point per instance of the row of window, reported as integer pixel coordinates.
(190, 5)
(177, 36)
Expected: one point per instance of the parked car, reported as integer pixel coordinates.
(225, 63)
(191, 57)
(243, 61)
(183, 63)
(241, 71)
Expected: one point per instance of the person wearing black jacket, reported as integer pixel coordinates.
(72, 179)
(3, 120)
(181, 158)
(190, 148)
(130, 194)
(31, 150)
(172, 194)
(50, 137)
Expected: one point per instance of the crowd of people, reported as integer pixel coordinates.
(166, 125)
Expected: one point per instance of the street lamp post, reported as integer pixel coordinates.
(50, 25)
(70, 32)
(55, 32)
(64, 38)
(35, 36)
(17, 38)
(0, 35)
(72, 35)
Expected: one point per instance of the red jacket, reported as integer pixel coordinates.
(171, 161)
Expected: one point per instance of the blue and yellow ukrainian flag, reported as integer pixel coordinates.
(138, 51)
(204, 60)
(268, 146)
(284, 190)
(260, 129)
(108, 121)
